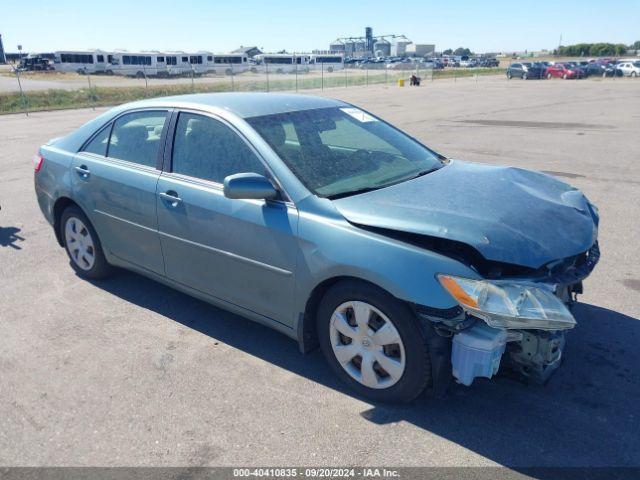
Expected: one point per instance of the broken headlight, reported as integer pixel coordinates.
(504, 304)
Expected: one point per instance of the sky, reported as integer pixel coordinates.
(221, 26)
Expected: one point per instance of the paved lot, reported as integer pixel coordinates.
(128, 372)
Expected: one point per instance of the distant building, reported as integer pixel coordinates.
(420, 50)
(3, 58)
(382, 48)
(392, 45)
(249, 51)
(399, 46)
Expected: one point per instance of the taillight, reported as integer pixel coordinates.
(38, 160)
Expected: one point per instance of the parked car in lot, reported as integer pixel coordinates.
(611, 70)
(563, 70)
(320, 220)
(525, 70)
(629, 69)
(594, 69)
(489, 62)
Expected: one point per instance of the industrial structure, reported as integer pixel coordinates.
(3, 58)
(392, 45)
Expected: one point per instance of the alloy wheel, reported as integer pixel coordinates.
(79, 243)
(367, 345)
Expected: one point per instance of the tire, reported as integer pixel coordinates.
(634, 74)
(74, 224)
(407, 359)
(549, 76)
(139, 74)
(525, 76)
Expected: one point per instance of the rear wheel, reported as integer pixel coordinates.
(83, 245)
(373, 342)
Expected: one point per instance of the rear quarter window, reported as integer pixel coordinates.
(136, 137)
(98, 144)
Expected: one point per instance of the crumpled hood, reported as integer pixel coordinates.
(508, 214)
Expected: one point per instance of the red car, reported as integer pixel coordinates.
(560, 70)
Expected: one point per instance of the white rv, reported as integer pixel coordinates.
(83, 61)
(199, 62)
(176, 63)
(138, 64)
(229, 63)
(283, 62)
(328, 62)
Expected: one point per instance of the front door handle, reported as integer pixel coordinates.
(171, 197)
(83, 171)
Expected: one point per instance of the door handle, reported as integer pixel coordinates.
(171, 197)
(83, 171)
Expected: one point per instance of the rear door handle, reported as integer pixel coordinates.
(83, 171)
(171, 197)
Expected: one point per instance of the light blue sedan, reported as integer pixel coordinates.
(317, 218)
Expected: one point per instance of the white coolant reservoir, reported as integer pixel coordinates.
(476, 352)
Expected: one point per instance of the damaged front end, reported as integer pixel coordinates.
(514, 320)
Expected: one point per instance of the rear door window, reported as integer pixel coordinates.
(136, 137)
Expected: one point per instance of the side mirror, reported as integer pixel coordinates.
(249, 185)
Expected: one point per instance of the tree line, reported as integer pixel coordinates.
(577, 50)
(595, 49)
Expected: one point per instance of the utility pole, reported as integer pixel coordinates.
(3, 58)
(559, 44)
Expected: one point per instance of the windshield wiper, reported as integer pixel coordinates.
(358, 191)
(419, 174)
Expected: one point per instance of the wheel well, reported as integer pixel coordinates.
(61, 204)
(307, 332)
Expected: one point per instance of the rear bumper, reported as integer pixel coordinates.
(45, 202)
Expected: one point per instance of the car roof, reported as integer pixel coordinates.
(243, 104)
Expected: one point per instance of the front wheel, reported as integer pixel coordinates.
(549, 76)
(633, 74)
(373, 342)
(83, 245)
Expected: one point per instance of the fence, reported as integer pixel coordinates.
(92, 90)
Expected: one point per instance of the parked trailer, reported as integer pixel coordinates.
(327, 62)
(283, 62)
(83, 61)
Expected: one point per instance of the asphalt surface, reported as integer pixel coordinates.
(129, 372)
